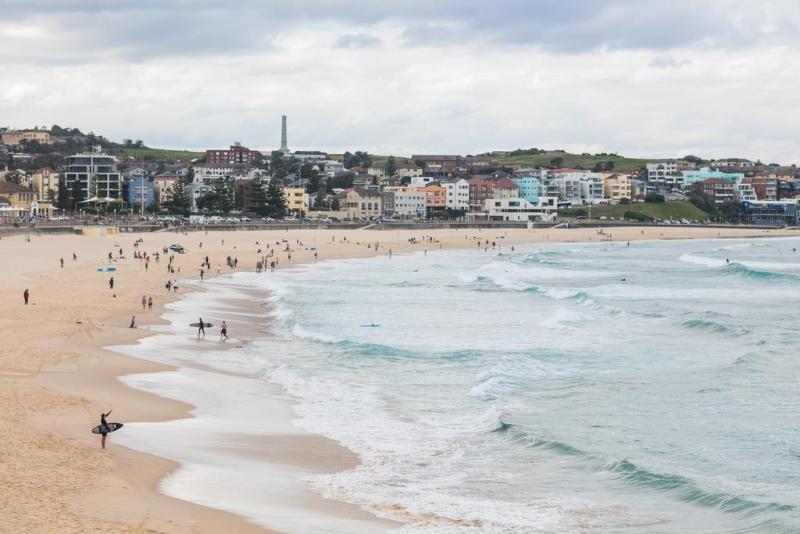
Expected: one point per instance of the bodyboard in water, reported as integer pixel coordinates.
(107, 428)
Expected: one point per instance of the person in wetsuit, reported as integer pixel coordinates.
(103, 426)
(201, 329)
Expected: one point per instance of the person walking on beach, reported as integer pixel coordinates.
(201, 329)
(62, 262)
(150, 303)
(103, 426)
(111, 283)
(26, 295)
(133, 322)
(144, 303)
(223, 333)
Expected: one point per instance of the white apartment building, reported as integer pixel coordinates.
(207, 174)
(457, 195)
(520, 210)
(744, 192)
(196, 190)
(577, 187)
(409, 203)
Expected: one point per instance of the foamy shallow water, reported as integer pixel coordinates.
(649, 388)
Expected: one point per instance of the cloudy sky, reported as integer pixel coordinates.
(649, 78)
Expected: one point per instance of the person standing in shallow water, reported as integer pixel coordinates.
(201, 329)
(26, 295)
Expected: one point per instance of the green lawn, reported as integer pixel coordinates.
(160, 154)
(657, 210)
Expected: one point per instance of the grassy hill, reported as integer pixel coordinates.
(587, 162)
(574, 160)
(657, 210)
(158, 154)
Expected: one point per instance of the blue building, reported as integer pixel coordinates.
(138, 189)
(530, 188)
(770, 212)
(701, 175)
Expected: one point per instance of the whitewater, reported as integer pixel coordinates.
(649, 387)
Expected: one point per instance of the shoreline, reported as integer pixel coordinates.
(138, 502)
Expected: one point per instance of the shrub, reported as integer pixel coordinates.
(637, 216)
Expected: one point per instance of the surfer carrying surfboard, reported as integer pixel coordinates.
(103, 426)
(201, 328)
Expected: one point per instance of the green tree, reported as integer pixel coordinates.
(314, 182)
(225, 195)
(557, 162)
(257, 197)
(275, 201)
(189, 178)
(62, 199)
(15, 177)
(178, 198)
(76, 195)
(278, 165)
(405, 180)
(654, 197)
(391, 167)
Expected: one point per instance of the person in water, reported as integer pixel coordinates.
(201, 329)
(223, 333)
(103, 426)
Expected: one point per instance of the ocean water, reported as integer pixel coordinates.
(560, 388)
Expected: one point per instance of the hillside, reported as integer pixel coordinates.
(574, 160)
(656, 210)
(158, 154)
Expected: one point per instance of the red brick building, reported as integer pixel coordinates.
(236, 155)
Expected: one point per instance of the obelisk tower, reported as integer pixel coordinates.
(284, 140)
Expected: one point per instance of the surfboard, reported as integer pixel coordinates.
(197, 325)
(373, 325)
(106, 429)
(106, 269)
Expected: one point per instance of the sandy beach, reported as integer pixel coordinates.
(57, 377)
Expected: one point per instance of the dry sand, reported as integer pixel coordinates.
(55, 378)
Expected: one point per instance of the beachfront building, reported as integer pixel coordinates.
(361, 203)
(575, 186)
(163, 184)
(520, 210)
(140, 191)
(402, 170)
(766, 187)
(617, 186)
(721, 191)
(45, 183)
(235, 155)
(772, 213)
(195, 190)
(296, 200)
(479, 190)
(505, 188)
(744, 192)
(16, 137)
(701, 175)
(530, 188)
(406, 203)
(457, 195)
(96, 175)
(436, 196)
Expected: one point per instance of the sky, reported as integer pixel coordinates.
(644, 78)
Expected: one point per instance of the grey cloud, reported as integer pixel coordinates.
(146, 28)
(356, 41)
(666, 61)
